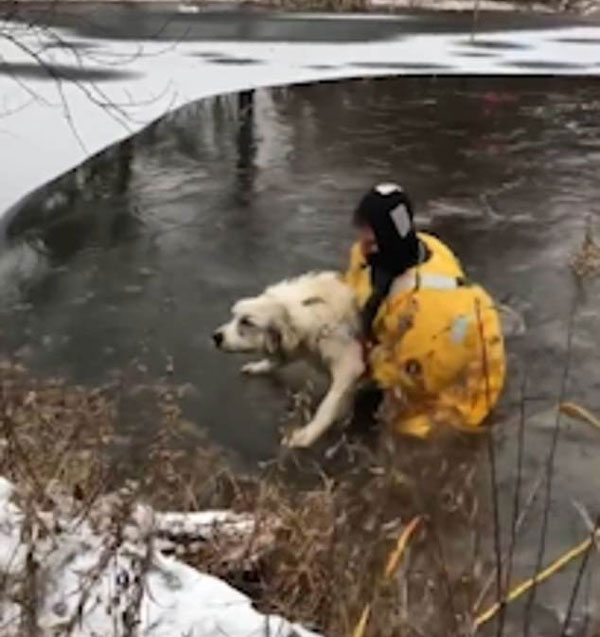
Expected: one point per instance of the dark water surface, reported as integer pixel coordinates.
(140, 252)
(232, 22)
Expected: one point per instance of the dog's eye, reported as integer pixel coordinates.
(246, 321)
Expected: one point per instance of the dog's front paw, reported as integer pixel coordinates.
(257, 367)
(299, 438)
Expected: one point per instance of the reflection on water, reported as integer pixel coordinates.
(246, 167)
(140, 252)
(232, 193)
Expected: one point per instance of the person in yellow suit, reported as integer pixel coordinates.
(434, 339)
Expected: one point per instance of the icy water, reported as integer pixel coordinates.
(138, 254)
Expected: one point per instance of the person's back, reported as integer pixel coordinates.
(438, 347)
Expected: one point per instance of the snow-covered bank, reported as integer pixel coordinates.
(50, 125)
(92, 580)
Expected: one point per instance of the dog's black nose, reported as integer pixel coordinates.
(217, 338)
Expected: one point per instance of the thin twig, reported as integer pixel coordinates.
(517, 495)
(475, 19)
(390, 568)
(550, 471)
(523, 516)
(587, 520)
(577, 584)
(580, 413)
(527, 585)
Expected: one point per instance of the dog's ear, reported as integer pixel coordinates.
(281, 336)
(273, 341)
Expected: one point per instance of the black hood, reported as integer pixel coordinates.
(388, 211)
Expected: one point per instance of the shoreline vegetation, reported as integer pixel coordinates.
(370, 542)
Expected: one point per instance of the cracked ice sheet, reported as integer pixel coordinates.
(47, 128)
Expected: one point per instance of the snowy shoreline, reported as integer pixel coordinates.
(48, 128)
(92, 578)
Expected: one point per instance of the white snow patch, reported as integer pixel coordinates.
(87, 580)
(48, 128)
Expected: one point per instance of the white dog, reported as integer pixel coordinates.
(314, 316)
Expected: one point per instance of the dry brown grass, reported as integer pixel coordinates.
(53, 434)
(586, 261)
(329, 540)
(324, 534)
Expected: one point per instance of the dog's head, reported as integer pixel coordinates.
(258, 325)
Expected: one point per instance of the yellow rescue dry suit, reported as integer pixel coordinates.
(439, 350)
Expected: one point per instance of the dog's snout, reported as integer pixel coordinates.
(218, 338)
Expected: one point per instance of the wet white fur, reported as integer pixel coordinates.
(313, 316)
